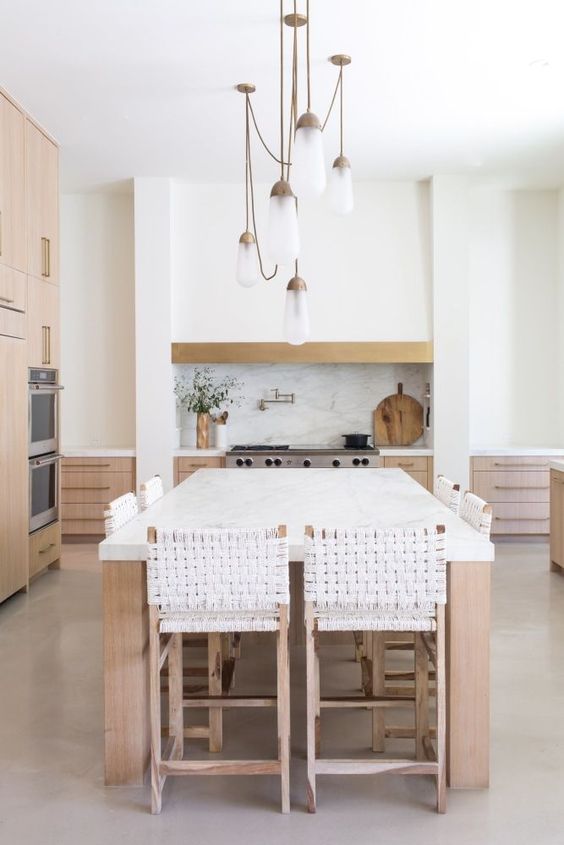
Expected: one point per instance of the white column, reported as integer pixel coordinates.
(560, 314)
(153, 330)
(449, 206)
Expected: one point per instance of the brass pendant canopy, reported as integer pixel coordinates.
(341, 161)
(296, 283)
(281, 189)
(340, 60)
(308, 119)
(247, 238)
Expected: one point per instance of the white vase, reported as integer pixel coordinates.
(220, 438)
(187, 436)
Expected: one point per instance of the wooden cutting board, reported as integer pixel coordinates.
(398, 420)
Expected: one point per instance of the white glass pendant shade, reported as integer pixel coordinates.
(341, 198)
(296, 314)
(248, 271)
(283, 238)
(308, 162)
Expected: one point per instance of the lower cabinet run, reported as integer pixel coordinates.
(557, 520)
(44, 548)
(185, 467)
(88, 485)
(419, 468)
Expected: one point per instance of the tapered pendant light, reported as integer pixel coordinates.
(283, 237)
(248, 270)
(341, 198)
(296, 314)
(308, 162)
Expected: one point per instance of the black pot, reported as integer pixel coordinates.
(356, 441)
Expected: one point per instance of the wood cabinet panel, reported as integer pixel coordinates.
(13, 289)
(420, 477)
(14, 471)
(98, 465)
(557, 520)
(510, 463)
(521, 518)
(512, 486)
(12, 186)
(13, 323)
(42, 323)
(100, 483)
(87, 487)
(42, 200)
(417, 464)
(44, 548)
(184, 466)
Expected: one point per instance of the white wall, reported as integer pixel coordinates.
(97, 324)
(515, 372)
(368, 274)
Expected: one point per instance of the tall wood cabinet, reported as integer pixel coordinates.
(42, 181)
(12, 186)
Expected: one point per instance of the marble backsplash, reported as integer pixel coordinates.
(331, 399)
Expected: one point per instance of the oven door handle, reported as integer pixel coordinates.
(46, 387)
(41, 462)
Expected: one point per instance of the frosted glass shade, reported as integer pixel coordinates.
(296, 317)
(341, 198)
(248, 272)
(283, 237)
(308, 162)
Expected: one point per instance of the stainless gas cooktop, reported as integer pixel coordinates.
(266, 456)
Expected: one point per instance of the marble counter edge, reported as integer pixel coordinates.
(97, 452)
(515, 452)
(558, 466)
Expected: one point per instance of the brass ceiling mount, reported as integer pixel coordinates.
(246, 87)
(295, 20)
(340, 60)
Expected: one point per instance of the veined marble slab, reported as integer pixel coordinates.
(97, 452)
(515, 452)
(298, 497)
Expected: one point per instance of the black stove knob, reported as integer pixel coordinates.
(307, 462)
(365, 462)
(268, 462)
(356, 462)
(336, 462)
(249, 462)
(277, 462)
(239, 462)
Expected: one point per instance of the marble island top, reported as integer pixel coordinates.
(298, 497)
(557, 465)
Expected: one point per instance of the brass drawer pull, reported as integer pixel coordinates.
(89, 466)
(521, 487)
(522, 518)
(67, 487)
(46, 257)
(405, 465)
(5, 298)
(523, 466)
(46, 548)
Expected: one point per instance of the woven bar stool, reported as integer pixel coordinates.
(477, 513)
(150, 491)
(378, 580)
(448, 493)
(213, 581)
(119, 512)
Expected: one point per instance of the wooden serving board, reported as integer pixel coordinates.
(398, 420)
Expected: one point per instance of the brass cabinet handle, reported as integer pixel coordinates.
(43, 344)
(522, 518)
(46, 257)
(5, 298)
(48, 344)
(67, 487)
(521, 466)
(46, 548)
(405, 465)
(90, 466)
(521, 486)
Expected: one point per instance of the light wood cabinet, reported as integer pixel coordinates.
(43, 323)
(12, 186)
(557, 521)
(42, 200)
(14, 515)
(184, 467)
(44, 548)
(87, 487)
(419, 467)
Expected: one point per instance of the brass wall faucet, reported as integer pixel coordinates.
(289, 398)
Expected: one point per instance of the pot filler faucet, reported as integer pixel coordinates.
(289, 398)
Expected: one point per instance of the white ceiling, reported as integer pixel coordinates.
(145, 87)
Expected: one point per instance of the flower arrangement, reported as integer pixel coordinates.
(204, 393)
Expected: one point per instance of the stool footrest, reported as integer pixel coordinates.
(230, 701)
(220, 767)
(374, 767)
(368, 701)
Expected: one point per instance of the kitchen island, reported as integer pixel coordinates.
(557, 516)
(296, 497)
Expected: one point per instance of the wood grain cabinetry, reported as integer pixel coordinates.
(14, 514)
(420, 467)
(185, 467)
(557, 521)
(44, 548)
(42, 193)
(13, 302)
(517, 487)
(12, 186)
(43, 324)
(87, 486)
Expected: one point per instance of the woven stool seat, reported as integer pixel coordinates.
(189, 623)
(397, 621)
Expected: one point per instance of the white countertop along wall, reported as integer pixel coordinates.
(557, 465)
(97, 452)
(516, 451)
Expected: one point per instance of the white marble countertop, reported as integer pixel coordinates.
(298, 497)
(557, 465)
(97, 452)
(516, 451)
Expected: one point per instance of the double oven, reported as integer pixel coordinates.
(43, 451)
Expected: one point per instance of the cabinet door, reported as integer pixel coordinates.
(12, 186)
(42, 194)
(14, 472)
(42, 323)
(557, 518)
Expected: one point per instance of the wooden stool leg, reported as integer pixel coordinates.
(155, 705)
(312, 695)
(283, 703)
(215, 688)
(175, 695)
(421, 696)
(378, 688)
(440, 684)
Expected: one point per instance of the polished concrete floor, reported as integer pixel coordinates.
(51, 735)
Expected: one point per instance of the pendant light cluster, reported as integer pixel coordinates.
(302, 176)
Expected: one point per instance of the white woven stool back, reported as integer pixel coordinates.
(217, 570)
(448, 493)
(150, 491)
(376, 569)
(477, 513)
(119, 512)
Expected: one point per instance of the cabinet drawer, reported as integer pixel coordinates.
(83, 526)
(182, 476)
(521, 463)
(512, 486)
(192, 464)
(420, 477)
(521, 518)
(13, 289)
(83, 510)
(44, 547)
(12, 323)
(418, 464)
(98, 464)
(91, 488)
